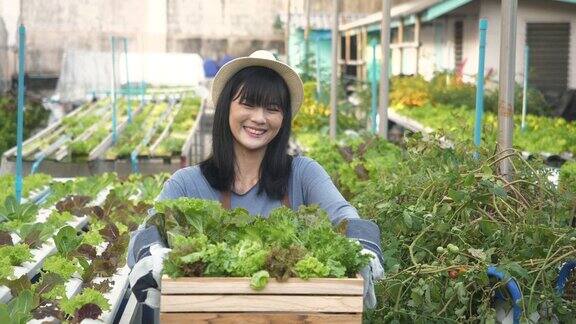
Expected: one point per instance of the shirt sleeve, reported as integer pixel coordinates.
(319, 189)
(173, 188)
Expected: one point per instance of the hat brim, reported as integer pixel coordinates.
(290, 76)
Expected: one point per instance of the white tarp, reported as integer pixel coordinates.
(86, 72)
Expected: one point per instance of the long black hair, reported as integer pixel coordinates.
(259, 86)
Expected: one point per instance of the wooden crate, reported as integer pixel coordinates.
(231, 300)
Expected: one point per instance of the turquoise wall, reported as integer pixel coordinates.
(373, 36)
(320, 46)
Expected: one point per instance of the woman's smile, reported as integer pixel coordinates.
(254, 131)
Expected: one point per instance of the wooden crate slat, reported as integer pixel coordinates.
(259, 318)
(261, 303)
(294, 286)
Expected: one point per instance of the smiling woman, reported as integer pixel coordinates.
(256, 98)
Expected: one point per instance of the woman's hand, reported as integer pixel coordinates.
(147, 259)
(375, 265)
(145, 276)
(370, 273)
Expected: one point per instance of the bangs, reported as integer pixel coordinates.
(263, 87)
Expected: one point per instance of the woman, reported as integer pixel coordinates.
(256, 98)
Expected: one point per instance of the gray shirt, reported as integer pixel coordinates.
(309, 184)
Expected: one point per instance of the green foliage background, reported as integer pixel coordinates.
(35, 116)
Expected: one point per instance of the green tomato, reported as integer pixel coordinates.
(440, 249)
(452, 248)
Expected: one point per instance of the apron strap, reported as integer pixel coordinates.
(286, 201)
(226, 200)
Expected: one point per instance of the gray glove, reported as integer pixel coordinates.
(370, 273)
(367, 234)
(146, 256)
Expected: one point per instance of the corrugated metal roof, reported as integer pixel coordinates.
(401, 10)
(321, 20)
(429, 9)
(442, 8)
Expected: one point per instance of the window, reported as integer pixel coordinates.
(409, 34)
(393, 35)
(458, 40)
(353, 47)
(549, 47)
(342, 47)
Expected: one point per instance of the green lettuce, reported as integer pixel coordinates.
(259, 280)
(88, 296)
(310, 267)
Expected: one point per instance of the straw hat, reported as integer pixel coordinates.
(265, 59)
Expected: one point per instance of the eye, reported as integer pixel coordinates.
(274, 108)
(246, 104)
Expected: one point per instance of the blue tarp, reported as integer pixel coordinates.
(225, 59)
(210, 68)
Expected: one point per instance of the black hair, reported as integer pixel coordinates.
(259, 86)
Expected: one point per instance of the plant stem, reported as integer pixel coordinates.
(498, 210)
(411, 247)
(542, 269)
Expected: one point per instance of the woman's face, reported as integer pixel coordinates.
(254, 127)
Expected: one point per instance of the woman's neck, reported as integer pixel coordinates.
(247, 172)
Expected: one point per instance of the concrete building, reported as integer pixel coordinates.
(55, 26)
(208, 27)
(211, 28)
(217, 28)
(431, 35)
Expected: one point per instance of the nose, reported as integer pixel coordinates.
(258, 115)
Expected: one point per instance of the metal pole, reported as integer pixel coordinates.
(384, 69)
(507, 65)
(129, 106)
(318, 83)
(525, 90)
(401, 48)
(134, 161)
(287, 40)
(373, 88)
(417, 27)
(114, 134)
(334, 82)
(307, 39)
(20, 114)
(482, 26)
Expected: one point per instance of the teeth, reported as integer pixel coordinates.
(254, 131)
